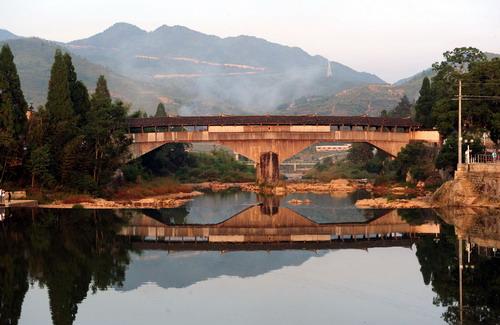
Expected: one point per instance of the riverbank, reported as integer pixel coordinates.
(155, 202)
(386, 203)
(166, 193)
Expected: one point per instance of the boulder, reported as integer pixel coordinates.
(342, 185)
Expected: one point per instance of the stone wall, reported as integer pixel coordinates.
(474, 185)
(485, 177)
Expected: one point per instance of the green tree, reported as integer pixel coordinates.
(59, 105)
(12, 115)
(402, 109)
(160, 110)
(106, 133)
(423, 106)
(416, 159)
(448, 156)
(166, 160)
(444, 86)
(39, 165)
(78, 92)
(60, 116)
(7, 141)
(360, 153)
(483, 114)
(12, 86)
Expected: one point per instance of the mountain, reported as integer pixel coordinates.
(364, 100)
(367, 99)
(411, 85)
(5, 35)
(34, 58)
(208, 73)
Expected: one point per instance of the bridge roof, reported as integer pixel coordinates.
(270, 120)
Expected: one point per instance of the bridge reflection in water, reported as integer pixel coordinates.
(267, 223)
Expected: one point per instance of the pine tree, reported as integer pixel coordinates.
(12, 114)
(106, 132)
(101, 97)
(403, 109)
(59, 106)
(61, 119)
(160, 110)
(12, 85)
(423, 107)
(7, 142)
(78, 92)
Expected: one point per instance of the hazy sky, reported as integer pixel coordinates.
(392, 38)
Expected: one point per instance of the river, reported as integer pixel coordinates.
(239, 258)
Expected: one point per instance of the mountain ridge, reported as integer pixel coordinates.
(34, 57)
(242, 71)
(6, 35)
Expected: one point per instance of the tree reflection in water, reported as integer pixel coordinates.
(440, 266)
(67, 252)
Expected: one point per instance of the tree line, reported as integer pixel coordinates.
(437, 106)
(76, 140)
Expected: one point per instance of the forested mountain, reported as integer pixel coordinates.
(34, 58)
(245, 72)
(364, 100)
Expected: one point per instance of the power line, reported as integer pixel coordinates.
(482, 83)
(478, 97)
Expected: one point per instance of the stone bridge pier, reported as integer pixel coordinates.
(268, 155)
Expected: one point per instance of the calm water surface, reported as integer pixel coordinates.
(132, 267)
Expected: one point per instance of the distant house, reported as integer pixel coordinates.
(337, 147)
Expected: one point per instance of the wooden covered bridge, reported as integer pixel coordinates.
(269, 140)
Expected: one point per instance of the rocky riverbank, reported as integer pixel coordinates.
(335, 186)
(155, 202)
(385, 203)
(476, 185)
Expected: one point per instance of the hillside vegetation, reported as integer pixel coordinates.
(34, 57)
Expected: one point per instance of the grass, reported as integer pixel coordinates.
(339, 169)
(217, 165)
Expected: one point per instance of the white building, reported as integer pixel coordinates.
(336, 147)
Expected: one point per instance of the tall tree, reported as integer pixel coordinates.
(484, 114)
(106, 132)
(423, 106)
(444, 86)
(59, 105)
(78, 92)
(8, 146)
(12, 114)
(12, 86)
(60, 116)
(160, 110)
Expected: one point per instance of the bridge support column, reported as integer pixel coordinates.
(268, 168)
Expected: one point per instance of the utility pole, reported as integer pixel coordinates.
(459, 123)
